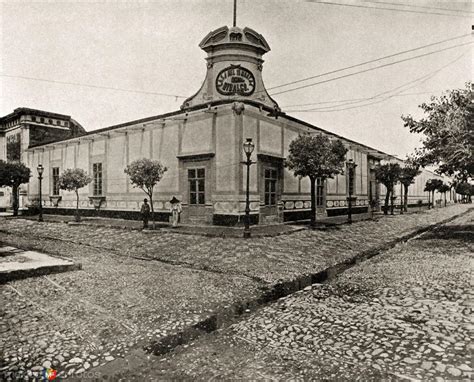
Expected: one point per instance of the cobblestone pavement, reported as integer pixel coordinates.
(136, 287)
(303, 252)
(403, 315)
(78, 320)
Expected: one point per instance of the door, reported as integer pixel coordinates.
(270, 191)
(196, 192)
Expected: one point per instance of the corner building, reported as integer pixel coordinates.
(201, 145)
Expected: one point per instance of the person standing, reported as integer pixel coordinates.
(145, 212)
(175, 210)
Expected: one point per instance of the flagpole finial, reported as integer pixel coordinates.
(235, 13)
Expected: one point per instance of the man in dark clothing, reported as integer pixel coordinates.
(145, 211)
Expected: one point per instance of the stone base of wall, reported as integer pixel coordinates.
(345, 211)
(233, 220)
(116, 214)
(295, 215)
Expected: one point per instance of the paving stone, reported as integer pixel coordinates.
(427, 365)
(454, 372)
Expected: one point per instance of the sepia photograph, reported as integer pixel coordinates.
(221, 190)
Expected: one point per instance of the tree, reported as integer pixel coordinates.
(388, 174)
(13, 174)
(448, 130)
(443, 189)
(431, 186)
(145, 174)
(407, 176)
(315, 156)
(73, 179)
(466, 190)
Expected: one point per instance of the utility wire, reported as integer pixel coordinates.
(369, 62)
(386, 9)
(92, 86)
(357, 99)
(417, 6)
(371, 69)
(422, 79)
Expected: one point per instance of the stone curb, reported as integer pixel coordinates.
(6, 277)
(226, 316)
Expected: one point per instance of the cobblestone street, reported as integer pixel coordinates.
(404, 315)
(136, 287)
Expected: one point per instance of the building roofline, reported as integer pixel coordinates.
(210, 104)
(25, 110)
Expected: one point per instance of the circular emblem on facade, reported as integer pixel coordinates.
(235, 80)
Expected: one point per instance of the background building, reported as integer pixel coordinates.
(28, 127)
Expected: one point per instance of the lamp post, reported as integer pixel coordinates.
(350, 170)
(40, 178)
(248, 150)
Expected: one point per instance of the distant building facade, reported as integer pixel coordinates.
(28, 127)
(201, 145)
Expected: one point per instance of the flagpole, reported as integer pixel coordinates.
(235, 13)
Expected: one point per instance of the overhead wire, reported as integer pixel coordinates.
(415, 82)
(417, 6)
(356, 99)
(420, 80)
(369, 62)
(371, 69)
(386, 8)
(92, 86)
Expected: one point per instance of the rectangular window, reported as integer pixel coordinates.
(197, 180)
(271, 177)
(97, 179)
(319, 192)
(55, 177)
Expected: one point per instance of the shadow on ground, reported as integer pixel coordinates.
(463, 232)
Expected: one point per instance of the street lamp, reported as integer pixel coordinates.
(350, 170)
(40, 177)
(248, 150)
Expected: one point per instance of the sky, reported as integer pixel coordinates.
(49, 50)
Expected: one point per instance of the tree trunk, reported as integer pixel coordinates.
(387, 200)
(432, 199)
(152, 210)
(402, 200)
(445, 199)
(405, 202)
(313, 202)
(77, 217)
(15, 190)
(392, 200)
(429, 202)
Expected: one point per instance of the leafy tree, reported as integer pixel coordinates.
(315, 156)
(465, 189)
(73, 179)
(145, 174)
(448, 130)
(13, 174)
(431, 186)
(388, 174)
(407, 176)
(443, 189)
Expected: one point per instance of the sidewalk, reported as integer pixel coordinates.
(206, 230)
